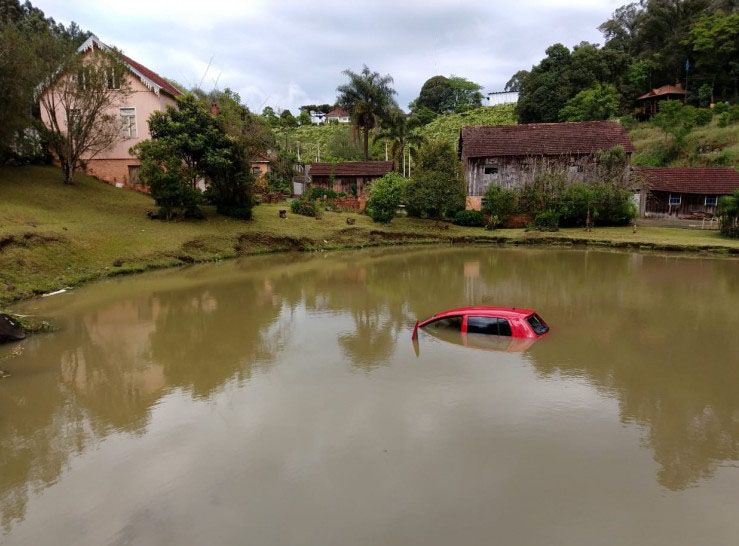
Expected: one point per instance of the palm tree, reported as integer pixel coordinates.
(368, 97)
(399, 129)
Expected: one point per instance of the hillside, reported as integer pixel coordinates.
(336, 142)
(710, 145)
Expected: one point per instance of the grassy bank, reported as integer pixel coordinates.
(53, 236)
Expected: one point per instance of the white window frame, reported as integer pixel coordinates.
(674, 196)
(126, 130)
(712, 197)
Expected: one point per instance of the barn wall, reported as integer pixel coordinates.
(691, 203)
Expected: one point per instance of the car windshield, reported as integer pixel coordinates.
(537, 324)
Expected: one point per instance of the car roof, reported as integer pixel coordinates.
(486, 310)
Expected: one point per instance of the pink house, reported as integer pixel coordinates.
(149, 93)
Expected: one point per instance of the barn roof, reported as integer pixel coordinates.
(148, 77)
(351, 168)
(534, 139)
(700, 180)
(661, 91)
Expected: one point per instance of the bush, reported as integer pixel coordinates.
(304, 207)
(469, 218)
(703, 116)
(547, 221)
(437, 189)
(385, 196)
(319, 192)
(609, 204)
(728, 211)
(728, 116)
(499, 202)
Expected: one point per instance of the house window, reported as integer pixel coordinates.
(711, 200)
(128, 120)
(675, 199)
(256, 170)
(491, 170)
(134, 172)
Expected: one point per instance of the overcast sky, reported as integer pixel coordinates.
(285, 53)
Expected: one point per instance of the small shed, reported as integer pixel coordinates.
(350, 177)
(648, 103)
(686, 191)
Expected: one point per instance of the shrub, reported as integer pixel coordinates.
(728, 211)
(729, 116)
(437, 189)
(319, 192)
(385, 196)
(547, 221)
(703, 116)
(470, 218)
(499, 202)
(609, 205)
(304, 207)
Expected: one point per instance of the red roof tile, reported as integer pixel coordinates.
(153, 76)
(533, 139)
(338, 112)
(664, 90)
(701, 180)
(351, 168)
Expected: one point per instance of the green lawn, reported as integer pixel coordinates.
(52, 235)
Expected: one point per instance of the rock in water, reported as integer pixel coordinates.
(10, 329)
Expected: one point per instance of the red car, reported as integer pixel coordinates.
(495, 321)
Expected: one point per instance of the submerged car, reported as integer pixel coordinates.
(495, 321)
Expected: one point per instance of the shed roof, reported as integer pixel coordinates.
(351, 168)
(700, 180)
(533, 139)
(663, 90)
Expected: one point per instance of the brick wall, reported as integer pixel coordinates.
(114, 171)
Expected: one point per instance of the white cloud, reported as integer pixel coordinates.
(292, 52)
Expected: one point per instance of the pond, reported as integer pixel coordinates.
(279, 400)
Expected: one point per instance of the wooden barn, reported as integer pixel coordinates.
(350, 177)
(511, 156)
(686, 191)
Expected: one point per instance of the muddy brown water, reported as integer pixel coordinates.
(278, 401)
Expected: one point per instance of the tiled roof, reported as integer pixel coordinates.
(533, 139)
(150, 78)
(701, 180)
(351, 168)
(664, 90)
(338, 112)
(153, 76)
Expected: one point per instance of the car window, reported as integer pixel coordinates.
(482, 325)
(537, 324)
(492, 326)
(447, 323)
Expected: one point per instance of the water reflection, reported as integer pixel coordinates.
(658, 334)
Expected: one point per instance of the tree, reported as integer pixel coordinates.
(728, 211)
(514, 84)
(595, 103)
(304, 118)
(79, 102)
(714, 39)
(190, 145)
(270, 117)
(385, 196)
(399, 130)
(443, 95)
(545, 90)
(436, 189)
(368, 97)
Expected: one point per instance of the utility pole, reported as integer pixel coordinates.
(386, 150)
(409, 162)
(298, 151)
(403, 162)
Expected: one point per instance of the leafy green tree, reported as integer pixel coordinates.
(304, 118)
(385, 196)
(368, 97)
(400, 131)
(714, 39)
(287, 120)
(594, 103)
(189, 145)
(436, 189)
(499, 203)
(443, 95)
(728, 211)
(514, 84)
(546, 89)
(269, 116)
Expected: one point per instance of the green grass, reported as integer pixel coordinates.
(446, 128)
(710, 145)
(52, 235)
